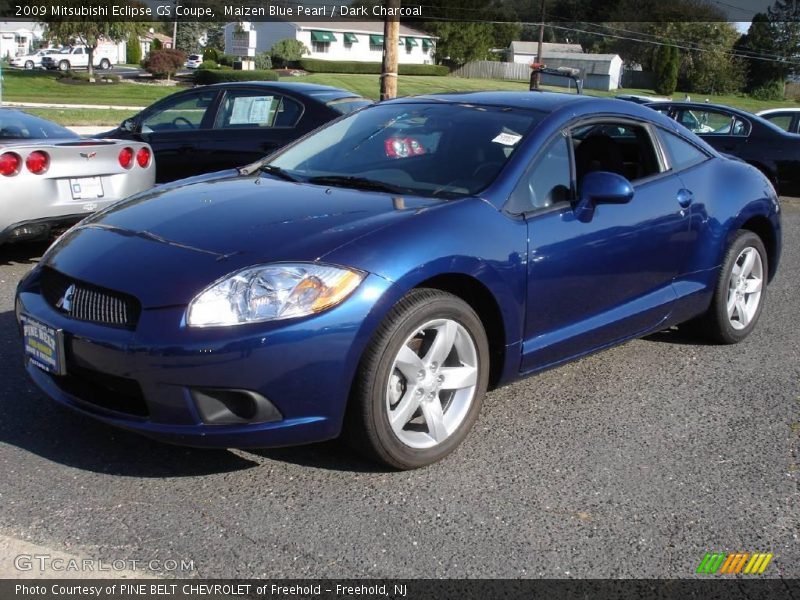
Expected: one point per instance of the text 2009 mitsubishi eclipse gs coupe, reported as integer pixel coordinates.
(377, 276)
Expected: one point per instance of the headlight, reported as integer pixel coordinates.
(271, 292)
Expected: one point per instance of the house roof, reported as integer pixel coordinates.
(373, 27)
(20, 26)
(589, 64)
(518, 47)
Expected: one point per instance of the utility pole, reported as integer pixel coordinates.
(391, 40)
(535, 75)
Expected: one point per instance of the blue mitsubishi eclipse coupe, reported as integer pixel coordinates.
(376, 277)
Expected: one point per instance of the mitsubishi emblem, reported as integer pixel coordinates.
(65, 302)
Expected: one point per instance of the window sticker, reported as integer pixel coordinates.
(507, 139)
(251, 110)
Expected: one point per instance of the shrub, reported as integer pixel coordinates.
(226, 59)
(207, 77)
(263, 61)
(133, 51)
(666, 62)
(156, 45)
(86, 78)
(164, 63)
(343, 66)
(287, 51)
(212, 55)
(208, 64)
(774, 90)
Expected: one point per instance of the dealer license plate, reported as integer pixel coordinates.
(44, 345)
(86, 187)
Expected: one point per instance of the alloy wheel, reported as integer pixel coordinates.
(744, 288)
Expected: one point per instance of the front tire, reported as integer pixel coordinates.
(740, 292)
(63, 65)
(421, 381)
(29, 65)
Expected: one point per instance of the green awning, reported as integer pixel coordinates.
(322, 36)
(350, 38)
(376, 40)
(427, 44)
(411, 42)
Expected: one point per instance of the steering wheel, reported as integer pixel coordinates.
(183, 120)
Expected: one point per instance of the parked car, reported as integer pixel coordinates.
(377, 276)
(51, 178)
(77, 57)
(227, 125)
(641, 98)
(193, 61)
(34, 60)
(787, 119)
(744, 135)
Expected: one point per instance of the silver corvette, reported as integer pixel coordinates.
(51, 178)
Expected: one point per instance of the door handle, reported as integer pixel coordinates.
(685, 197)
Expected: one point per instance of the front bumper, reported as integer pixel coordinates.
(147, 380)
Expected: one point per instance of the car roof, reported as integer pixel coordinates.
(543, 101)
(771, 111)
(303, 88)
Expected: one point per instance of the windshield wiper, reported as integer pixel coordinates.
(358, 183)
(277, 172)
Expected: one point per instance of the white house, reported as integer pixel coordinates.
(348, 40)
(17, 37)
(524, 53)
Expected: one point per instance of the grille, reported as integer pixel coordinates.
(101, 389)
(87, 302)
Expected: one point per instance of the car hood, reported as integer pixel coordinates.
(166, 245)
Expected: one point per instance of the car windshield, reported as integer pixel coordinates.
(20, 126)
(444, 149)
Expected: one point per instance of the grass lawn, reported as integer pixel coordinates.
(39, 86)
(81, 116)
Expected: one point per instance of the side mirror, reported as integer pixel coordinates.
(130, 125)
(601, 187)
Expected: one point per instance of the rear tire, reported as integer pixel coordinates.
(740, 291)
(29, 65)
(105, 64)
(420, 383)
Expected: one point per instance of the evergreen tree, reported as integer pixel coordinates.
(665, 68)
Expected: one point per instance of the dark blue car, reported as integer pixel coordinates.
(376, 277)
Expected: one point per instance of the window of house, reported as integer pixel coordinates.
(320, 47)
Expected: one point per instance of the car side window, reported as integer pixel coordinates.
(180, 114)
(548, 182)
(620, 148)
(783, 121)
(713, 122)
(681, 153)
(256, 109)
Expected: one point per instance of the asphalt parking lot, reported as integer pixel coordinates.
(633, 462)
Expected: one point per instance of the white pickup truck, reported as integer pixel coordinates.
(77, 57)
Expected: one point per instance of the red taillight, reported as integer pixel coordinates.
(37, 162)
(9, 164)
(143, 157)
(126, 158)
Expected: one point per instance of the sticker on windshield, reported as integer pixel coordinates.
(507, 139)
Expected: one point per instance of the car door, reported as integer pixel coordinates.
(593, 283)
(177, 128)
(252, 122)
(723, 130)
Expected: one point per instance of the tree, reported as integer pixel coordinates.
(770, 49)
(460, 43)
(215, 37)
(164, 63)
(89, 33)
(188, 35)
(133, 51)
(665, 68)
(287, 51)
